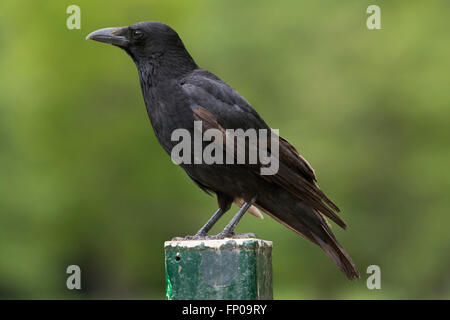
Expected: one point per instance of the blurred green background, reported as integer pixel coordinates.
(83, 180)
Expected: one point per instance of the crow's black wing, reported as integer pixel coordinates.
(220, 106)
(206, 90)
(233, 112)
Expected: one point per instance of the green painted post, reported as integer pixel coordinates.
(228, 269)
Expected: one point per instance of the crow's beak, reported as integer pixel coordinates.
(115, 36)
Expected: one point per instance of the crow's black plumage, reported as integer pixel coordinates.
(177, 92)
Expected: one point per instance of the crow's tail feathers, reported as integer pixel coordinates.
(334, 250)
(310, 224)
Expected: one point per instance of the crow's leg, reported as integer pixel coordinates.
(202, 234)
(208, 225)
(228, 231)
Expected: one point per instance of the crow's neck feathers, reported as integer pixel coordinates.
(164, 65)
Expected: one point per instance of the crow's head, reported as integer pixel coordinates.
(145, 41)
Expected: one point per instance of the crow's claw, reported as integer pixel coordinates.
(233, 235)
(216, 237)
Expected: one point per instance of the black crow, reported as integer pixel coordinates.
(177, 93)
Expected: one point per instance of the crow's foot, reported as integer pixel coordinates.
(233, 235)
(217, 236)
(198, 236)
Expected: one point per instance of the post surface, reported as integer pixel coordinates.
(227, 269)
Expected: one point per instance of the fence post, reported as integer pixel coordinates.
(226, 269)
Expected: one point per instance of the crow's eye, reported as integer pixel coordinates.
(136, 34)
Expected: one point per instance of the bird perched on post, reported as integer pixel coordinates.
(177, 93)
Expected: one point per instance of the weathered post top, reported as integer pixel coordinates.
(225, 269)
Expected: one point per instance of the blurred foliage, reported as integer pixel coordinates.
(83, 180)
